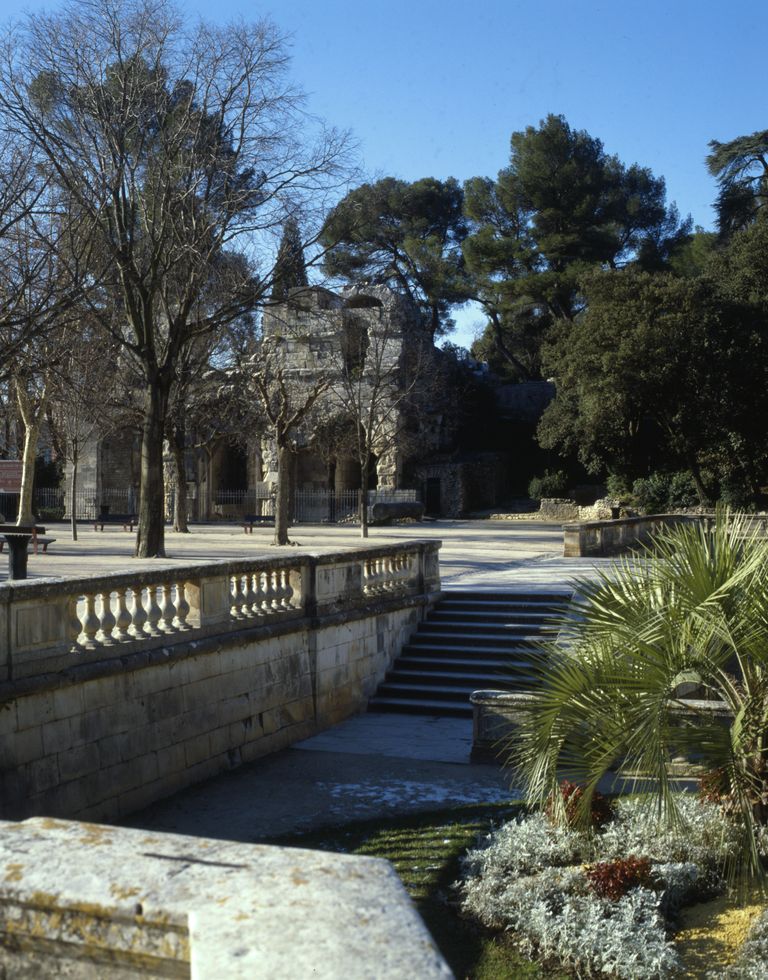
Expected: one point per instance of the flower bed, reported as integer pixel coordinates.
(603, 900)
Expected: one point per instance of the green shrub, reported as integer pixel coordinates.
(617, 486)
(550, 485)
(660, 493)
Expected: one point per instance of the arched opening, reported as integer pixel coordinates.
(354, 344)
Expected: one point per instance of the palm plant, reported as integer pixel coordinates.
(685, 618)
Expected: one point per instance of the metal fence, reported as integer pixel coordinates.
(55, 504)
(309, 506)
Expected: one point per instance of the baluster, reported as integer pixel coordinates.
(368, 573)
(154, 613)
(106, 620)
(138, 615)
(281, 589)
(270, 603)
(75, 626)
(90, 623)
(182, 608)
(381, 575)
(259, 594)
(250, 609)
(123, 618)
(167, 609)
(285, 575)
(390, 566)
(238, 597)
(395, 573)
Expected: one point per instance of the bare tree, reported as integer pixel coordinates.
(286, 400)
(34, 289)
(180, 147)
(86, 398)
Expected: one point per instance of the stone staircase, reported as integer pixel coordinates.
(470, 641)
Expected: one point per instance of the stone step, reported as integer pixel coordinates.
(438, 647)
(499, 641)
(476, 680)
(522, 609)
(467, 617)
(437, 692)
(422, 706)
(469, 642)
(469, 664)
(528, 598)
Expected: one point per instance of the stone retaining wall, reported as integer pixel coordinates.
(119, 726)
(605, 538)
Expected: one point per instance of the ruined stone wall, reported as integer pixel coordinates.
(316, 330)
(470, 484)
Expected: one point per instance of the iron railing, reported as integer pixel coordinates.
(309, 506)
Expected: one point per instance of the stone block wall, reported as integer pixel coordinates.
(102, 746)
(118, 690)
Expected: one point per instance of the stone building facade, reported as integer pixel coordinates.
(375, 337)
(368, 344)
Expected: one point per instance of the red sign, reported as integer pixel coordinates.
(10, 475)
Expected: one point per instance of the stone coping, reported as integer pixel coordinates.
(104, 899)
(157, 572)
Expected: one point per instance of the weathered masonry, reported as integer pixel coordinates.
(119, 690)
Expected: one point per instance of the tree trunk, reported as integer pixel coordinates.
(150, 540)
(73, 498)
(701, 490)
(31, 433)
(364, 497)
(180, 509)
(283, 497)
(30, 415)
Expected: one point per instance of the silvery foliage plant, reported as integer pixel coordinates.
(530, 878)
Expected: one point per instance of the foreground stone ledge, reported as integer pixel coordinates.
(92, 901)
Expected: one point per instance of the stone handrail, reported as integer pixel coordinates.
(604, 538)
(49, 625)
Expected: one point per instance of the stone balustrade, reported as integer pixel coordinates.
(48, 625)
(120, 689)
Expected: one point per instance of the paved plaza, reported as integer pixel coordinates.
(475, 554)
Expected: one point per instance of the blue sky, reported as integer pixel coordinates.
(435, 87)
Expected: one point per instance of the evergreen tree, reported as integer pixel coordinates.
(403, 235)
(562, 206)
(290, 267)
(741, 168)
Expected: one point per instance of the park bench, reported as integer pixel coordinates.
(126, 520)
(264, 520)
(38, 541)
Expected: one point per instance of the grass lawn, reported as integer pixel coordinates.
(425, 850)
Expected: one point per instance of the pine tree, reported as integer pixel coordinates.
(290, 268)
